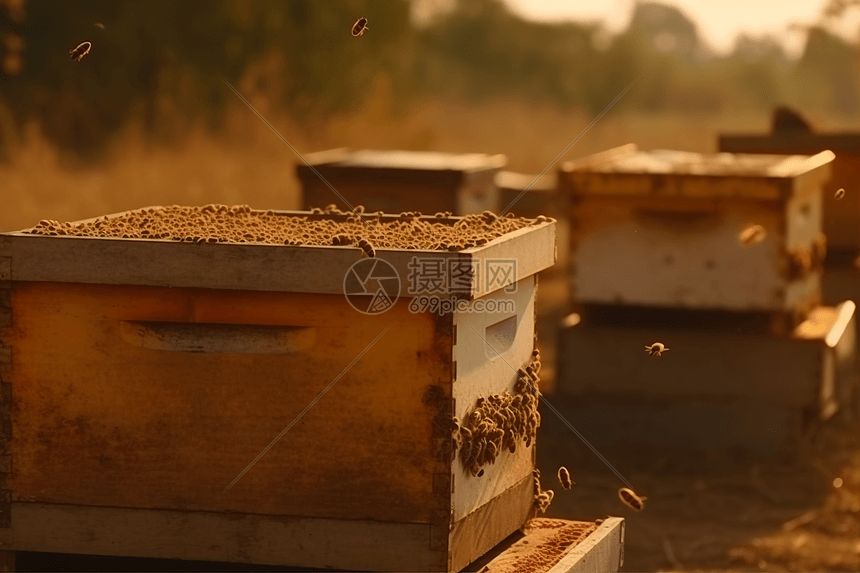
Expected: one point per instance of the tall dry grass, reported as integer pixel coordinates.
(248, 164)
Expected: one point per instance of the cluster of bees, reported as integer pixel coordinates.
(801, 261)
(240, 224)
(499, 422)
(363, 244)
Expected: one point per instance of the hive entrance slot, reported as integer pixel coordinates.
(217, 338)
(500, 336)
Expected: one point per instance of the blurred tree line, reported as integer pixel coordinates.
(162, 62)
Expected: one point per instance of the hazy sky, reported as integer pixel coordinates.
(718, 21)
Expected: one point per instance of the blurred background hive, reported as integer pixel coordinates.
(657, 256)
(399, 181)
(841, 218)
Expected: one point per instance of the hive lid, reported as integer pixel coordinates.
(508, 180)
(361, 164)
(263, 266)
(627, 171)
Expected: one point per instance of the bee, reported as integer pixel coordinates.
(99, 25)
(656, 349)
(368, 249)
(564, 478)
(753, 235)
(839, 194)
(80, 51)
(341, 240)
(631, 500)
(360, 27)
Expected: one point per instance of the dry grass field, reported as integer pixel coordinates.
(247, 164)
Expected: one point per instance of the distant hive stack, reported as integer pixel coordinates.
(719, 257)
(791, 134)
(527, 195)
(394, 181)
(147, 358)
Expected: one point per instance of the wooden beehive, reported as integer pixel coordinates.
(524, 196)
(663, 228)
(544, 546)
(841, 222)
(399, 181)
(140, 377)
(714, 387)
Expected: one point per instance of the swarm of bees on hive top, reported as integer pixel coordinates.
(319, 227)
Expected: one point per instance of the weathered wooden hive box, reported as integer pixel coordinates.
(664, 228)
(841, 221)
(150, 361)
(718, 385)
(398, 181)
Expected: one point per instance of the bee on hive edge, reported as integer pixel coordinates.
(656, 349)
(360, 27)
(839, 194)
(80, 51)
(631, 500)
(564, 478)
(367, 248)
(753, 235)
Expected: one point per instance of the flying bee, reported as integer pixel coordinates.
(564, 478)
(656, 349)
(80, 51)
(631, 500)
(753, 235)
(839, 194)
(360, 27)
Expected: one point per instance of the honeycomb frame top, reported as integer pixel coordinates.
(51, 251)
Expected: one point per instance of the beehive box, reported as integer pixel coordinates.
(714, 387)
(398, 181)
(559, 546)
(841, 221)
(144, 369)
(525, 196)
(662, 229)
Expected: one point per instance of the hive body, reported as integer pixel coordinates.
(396, 181)
(143, 376)
(841, 221)
(662, 229)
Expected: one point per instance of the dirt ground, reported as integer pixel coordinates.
(718, 511)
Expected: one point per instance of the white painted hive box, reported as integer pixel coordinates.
(664, 228)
